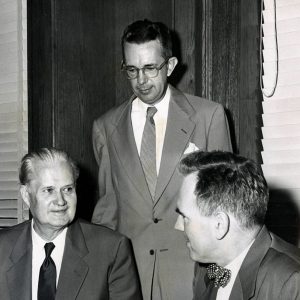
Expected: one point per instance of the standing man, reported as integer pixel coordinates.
(52, 256)
(138, 146)
(222, 205)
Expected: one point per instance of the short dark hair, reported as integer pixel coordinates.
(26, 171)
(143, 31)
(228, 182)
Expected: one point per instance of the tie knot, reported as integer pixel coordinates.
(219, 275)
(49, 248)
(151, 111)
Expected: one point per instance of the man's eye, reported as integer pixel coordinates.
(49, 190)
(131, 70)
(150, 69)
(68, 189)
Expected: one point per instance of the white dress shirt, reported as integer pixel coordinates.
(38, 256)
(138, 119)
(234, 266)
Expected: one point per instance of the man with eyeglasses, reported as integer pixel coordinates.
(138, 146)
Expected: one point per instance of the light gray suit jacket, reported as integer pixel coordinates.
(125, 203)
(97, 264)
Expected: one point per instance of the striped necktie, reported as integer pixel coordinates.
(148, 151)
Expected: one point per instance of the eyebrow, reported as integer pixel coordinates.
(47, 186)
(144, 66)
(69, 185)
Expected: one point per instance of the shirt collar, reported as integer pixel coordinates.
(40, 242)
(162, 106)
(235, 264)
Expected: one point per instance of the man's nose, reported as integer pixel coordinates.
(179, 223)
(60, 198)
(141, 77)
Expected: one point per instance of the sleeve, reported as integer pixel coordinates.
(105, 211)
(123, 278)
(218, 133)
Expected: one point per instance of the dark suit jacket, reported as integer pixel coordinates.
(125, 202)
(97, 264)
(270, 271)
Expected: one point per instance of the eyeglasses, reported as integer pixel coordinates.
(150, 71)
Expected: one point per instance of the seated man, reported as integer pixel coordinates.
(52, 257)
(222, 205)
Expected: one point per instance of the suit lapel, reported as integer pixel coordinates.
(237, 290)
(73, 269)
(178, 133)
(19, 275)
(125, 147)
(247, 276)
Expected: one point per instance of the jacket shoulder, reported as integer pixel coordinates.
(14, 230)
(281, 260)
(9, 235)
(199, 103)
(101, 233)
(285, 248)
(278, 276)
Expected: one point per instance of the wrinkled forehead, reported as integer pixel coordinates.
(152, 48)
(45, 170)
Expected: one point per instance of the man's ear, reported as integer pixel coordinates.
(25, 194)
(222, 224)
(171, 64)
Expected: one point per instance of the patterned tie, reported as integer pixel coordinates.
(219, 275)
(47, 278)
(148, 150)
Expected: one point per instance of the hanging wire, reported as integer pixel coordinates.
(268, 95)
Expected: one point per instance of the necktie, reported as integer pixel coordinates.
(47, 278)
(148, 150)
(219, 275)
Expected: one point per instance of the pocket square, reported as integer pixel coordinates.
(190, 148)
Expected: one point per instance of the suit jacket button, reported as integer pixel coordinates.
(155, 220)
(151, 252)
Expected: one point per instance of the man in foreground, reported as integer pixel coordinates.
(52, 257)
(138, 146)
(222, 205)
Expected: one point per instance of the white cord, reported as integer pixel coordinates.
(268, 95)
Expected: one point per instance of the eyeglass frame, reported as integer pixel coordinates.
(157, 68)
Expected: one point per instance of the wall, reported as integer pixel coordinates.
(74, 68)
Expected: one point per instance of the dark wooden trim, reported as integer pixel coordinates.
(203, 59)
(74, 76)
(40, 76)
